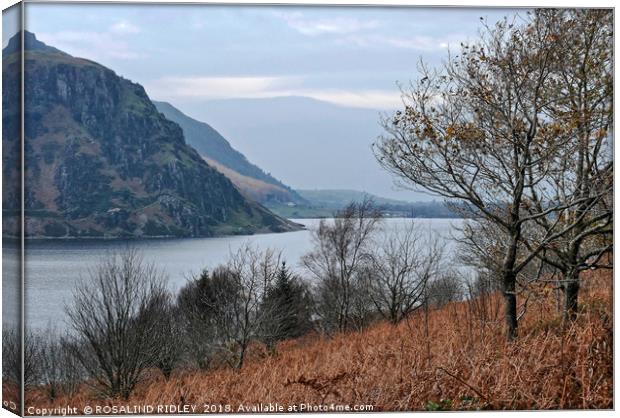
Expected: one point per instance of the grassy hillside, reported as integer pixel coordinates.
(259, 190)
(455, 358)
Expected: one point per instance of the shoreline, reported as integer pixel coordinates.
(142, 238)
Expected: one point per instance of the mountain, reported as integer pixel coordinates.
(218, 152)
(310, 143)
(102, 161)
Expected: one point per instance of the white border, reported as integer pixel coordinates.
(379, 3)
(441, 3)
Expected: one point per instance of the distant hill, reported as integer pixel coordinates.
(324, 203)
(217, 151)
(101, 161)
(340, 198)
(312, 144)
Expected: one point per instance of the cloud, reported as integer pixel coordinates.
(321, 26)
(124, 27)
(212, 88)
(364, 32)
(98, 45)
(416, 42)
(94, 45)
(216, 87)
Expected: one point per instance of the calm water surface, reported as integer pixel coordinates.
(53, 268)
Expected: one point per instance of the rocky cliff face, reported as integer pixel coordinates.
(102, 161)
(11, 145)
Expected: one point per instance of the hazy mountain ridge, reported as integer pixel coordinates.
(209, 143)
(101, 160)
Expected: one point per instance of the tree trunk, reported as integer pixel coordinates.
(271, 346)
(241, 358)
(510, 298)
(344, 308)
(204, 363)
(166, 371)
(571, 295)
(125, 393)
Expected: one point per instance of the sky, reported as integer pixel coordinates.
(11, 21)
(192, 54)
(348, 56)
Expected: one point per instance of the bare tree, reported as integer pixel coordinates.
(481, 248)
(445, 288)
(46, 361)
(58, 370)
(72, 373)
(337, 260)
(166, 339)
(226, 308)
(399, 269)
(113, 334)
(473, 131)
(12, 357)
(50, 361)
(252, 272)
(582, 175)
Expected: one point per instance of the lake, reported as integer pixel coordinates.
(53, 268)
